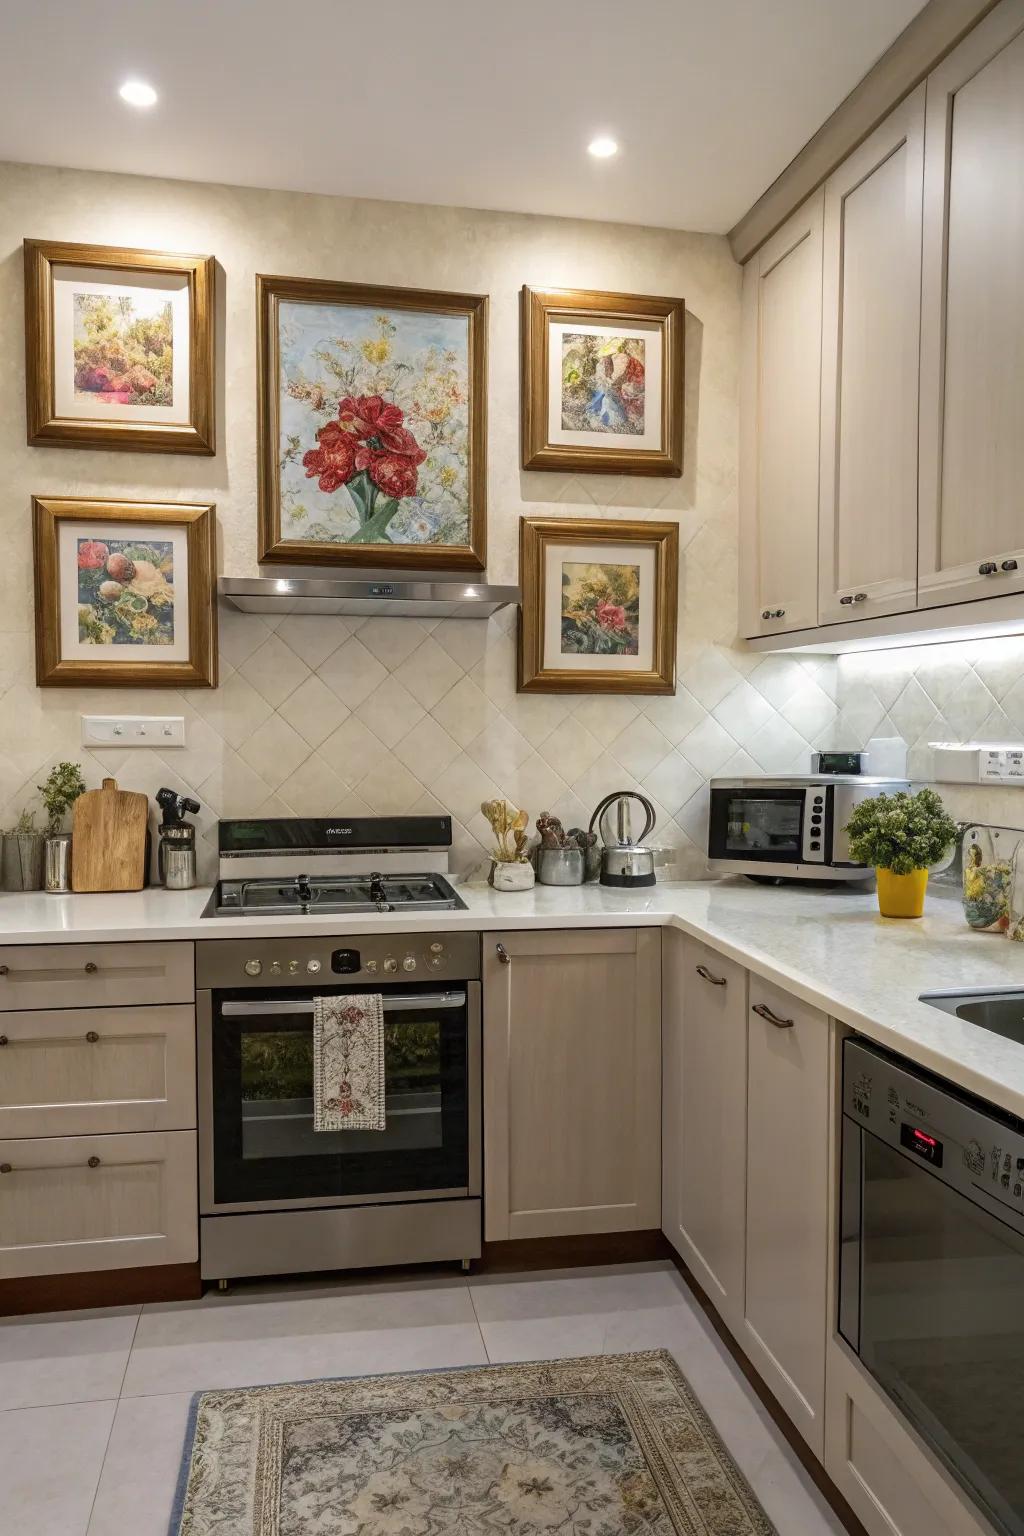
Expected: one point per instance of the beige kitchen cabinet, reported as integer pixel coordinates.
(784, 1304)
(972, 321)
(82, 1071)
(871, 300)
(704, 1115)
(75, 1203)
(95, 975)
(572, 1080)
(780, 396)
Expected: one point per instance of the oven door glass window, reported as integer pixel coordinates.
(757, 824)
(942, 1324)
(265, 1147)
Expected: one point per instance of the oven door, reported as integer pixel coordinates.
(751, 824)
(258, 1148)
(932, 1302)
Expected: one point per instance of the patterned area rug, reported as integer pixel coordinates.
(615, 1445)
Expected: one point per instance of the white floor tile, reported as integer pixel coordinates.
(576, 1293)
(64, 1358)
(50, 1460)
(140, 1472)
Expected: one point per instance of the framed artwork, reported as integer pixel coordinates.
(118, 348)
(372, 422)
(599, 606)
(124, 593)
(602, 382)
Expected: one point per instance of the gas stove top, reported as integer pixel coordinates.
(275, 866)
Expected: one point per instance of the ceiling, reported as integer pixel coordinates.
(479, 103)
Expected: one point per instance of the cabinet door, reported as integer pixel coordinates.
(779, 422)
(704, 1109)
(572, 1077)
(972, 319)
(75, 1203)
(871, 307)
(96, 975)
(784, 1316)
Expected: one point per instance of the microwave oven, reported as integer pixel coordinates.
(790, 827)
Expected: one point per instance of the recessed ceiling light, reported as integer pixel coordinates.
(602, 148)
(137, 93)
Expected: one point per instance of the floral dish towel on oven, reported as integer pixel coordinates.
(348, 1062)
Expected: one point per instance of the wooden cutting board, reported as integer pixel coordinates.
(108, 839)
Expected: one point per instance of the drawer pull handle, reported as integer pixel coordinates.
(716, 981)
(94, 1162)
(860, 597)
(6, 1168)
(1009, 565)
(503, 955)
(91, 1036)
(5, 970)
(764, 1012)
(4, 1040)
(987, 568)
(847, 600)
(91, 967)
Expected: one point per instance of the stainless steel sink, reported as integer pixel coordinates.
(1001, 1011)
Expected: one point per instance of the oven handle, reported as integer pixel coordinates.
(304, 1005)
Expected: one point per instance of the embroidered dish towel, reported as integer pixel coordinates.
(348, 1062)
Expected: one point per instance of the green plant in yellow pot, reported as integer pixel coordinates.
(901, 835)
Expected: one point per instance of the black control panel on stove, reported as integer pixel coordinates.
(302, 834)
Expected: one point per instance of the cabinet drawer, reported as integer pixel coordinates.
(76, 1203)
(94, 1071)
(91, 975)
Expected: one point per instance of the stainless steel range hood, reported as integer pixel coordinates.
(418, 597)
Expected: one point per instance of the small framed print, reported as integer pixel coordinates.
(599, 606)
(119, 348)
(124, 593)
(602, 382)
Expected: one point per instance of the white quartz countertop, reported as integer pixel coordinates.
(829, 947)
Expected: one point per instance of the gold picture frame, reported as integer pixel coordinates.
(617, 361)
(399, 476)
(80, 396)
(599, 607)
(127, 569)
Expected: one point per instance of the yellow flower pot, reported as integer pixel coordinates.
(901, 895)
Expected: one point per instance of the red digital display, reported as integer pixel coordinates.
(921, 1143)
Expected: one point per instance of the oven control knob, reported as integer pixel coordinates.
(253, 967)
(437, 948)
(371, 967)
(409, 963)
(312, 966)
(390, 964)
(293, 966)
(436, 962)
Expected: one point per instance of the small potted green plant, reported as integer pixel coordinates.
(64, 784)
(901, 835)
(22, 868)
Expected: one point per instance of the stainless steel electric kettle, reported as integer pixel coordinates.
(625, 863)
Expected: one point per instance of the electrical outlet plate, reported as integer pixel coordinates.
(133, 730)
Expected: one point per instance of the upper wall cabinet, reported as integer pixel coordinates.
(972, 322)
(869, 373)
(779, 410)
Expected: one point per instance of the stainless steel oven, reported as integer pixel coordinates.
(277, 1196)
(932, 1267)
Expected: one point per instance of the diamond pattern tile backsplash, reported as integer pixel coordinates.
(322, 716)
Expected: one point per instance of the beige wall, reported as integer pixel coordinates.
(326, 716)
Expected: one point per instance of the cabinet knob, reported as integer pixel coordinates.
(503, 955)
(6, 1168)
(3, 1040)
(1009, 565)
(780, 613)
(764, 1012)
(91, 1036)
(860, 597)
(91, 967)
(847, 600)
(987, 568)
(5, 970)
(766, 613)
(706, 975)
(94, 1162)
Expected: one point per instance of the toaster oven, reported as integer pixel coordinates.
(790, 828)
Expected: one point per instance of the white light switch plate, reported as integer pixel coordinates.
(133, 730)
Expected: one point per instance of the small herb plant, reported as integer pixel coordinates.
(64, 784)
(901, 832)
(25, 824)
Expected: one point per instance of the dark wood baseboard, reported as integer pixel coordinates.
(780, 1418)
(525, 1253)
(100, 1288)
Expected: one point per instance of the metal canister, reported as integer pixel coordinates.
(57, 862)
(176, 858)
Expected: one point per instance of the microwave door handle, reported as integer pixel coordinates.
(299, 1006)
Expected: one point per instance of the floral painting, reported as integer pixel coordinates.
(124, 348)
(603, 383)
(125, 592)
(600, 609)
(374, 425)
